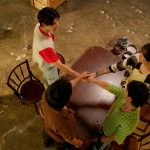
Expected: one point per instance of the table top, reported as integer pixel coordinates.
(90, 101)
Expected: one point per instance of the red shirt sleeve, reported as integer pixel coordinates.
(49, 55)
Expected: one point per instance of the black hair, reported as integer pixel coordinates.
(47, 16)
(139, 93)
(146, 51)
(58, 93)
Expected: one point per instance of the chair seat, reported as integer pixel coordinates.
(131, 143)
(32, 91)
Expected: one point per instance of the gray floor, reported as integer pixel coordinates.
(83, 23)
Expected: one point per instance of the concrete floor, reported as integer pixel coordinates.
(83, 23)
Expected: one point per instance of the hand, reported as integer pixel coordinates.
(79, 143)
(84, 75)
(104, 71)
(101, 72)
(91, 77)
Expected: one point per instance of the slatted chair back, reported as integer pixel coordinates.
(20, 74)
(25, 85)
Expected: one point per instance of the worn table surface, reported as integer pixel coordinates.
(90, 101)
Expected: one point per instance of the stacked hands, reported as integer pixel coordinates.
(90, 77)
(86, 76)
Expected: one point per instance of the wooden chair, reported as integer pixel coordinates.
(62, 59)
(135, 143)
(142, 133)
(25, 85)
(140, 139)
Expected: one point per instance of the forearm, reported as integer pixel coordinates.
(75, 81)
(100, 83)
(103, 71)
(68, 70)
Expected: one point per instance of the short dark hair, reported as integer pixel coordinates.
(146, 51)
(58, 93)
(47, 16)
(139, 93)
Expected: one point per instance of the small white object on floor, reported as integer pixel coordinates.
(1, 111)
(5, 106)
(18, 58)
(11, 53)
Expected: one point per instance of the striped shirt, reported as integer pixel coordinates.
(131, 66)
(122, 65)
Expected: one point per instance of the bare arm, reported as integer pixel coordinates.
(100, 83)
(119, 66)
(66, 69)
(103, 71)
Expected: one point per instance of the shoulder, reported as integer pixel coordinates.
(36, 29)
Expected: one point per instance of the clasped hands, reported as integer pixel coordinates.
(87, 76)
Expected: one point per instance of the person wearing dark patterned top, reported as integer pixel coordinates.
(137, 67)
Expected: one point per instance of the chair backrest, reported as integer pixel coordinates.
(20, 75)
(141, 136)
(61, 57)
(134, 143)
(142, 132)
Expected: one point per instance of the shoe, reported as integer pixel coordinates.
(48, 143)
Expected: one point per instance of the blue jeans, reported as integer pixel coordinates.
(50, 74)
